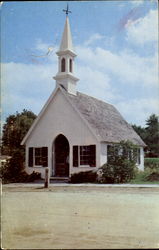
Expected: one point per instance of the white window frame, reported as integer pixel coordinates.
(35, 166)
(79, 160)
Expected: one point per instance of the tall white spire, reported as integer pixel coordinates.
(66, 42)
(66, 57)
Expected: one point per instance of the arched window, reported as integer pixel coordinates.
(63, 65)
(70, 65)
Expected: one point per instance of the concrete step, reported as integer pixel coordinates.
(59, 179)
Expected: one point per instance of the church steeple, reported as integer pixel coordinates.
(66, 42)
(66, 57)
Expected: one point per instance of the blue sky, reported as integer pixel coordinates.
(116, 47)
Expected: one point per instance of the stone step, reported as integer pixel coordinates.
(59, 178)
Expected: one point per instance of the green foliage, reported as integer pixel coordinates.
(121, 164)
(153, 177)
(150, 175)
(13, 167)
(140, 131)
(140, 177)
(13, 170)
(152, 138)
(150, 135)
(152, 163)
(115, 173)
(88, 176)
(125, 150)
(14, 130)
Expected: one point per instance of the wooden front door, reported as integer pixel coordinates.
(61, 156)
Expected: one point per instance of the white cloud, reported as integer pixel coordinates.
(127, 66)
(25, 85)
(95, 37)
(143, 30)
(137, 2)
(102, 73)
(41, 46)
(42, 53)
(96, 83)
(136, 111)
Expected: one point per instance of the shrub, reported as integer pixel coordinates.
(88, 176)
(121, 165)
(32, 177)
(152, 177)
(117, 173)
(13, 170)
(13, 167)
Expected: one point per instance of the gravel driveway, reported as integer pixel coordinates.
(85, 216)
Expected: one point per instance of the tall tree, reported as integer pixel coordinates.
(140, 131)
(152, 135)
(14, 130)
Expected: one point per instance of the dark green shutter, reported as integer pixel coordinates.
(92, 155)
(30, 157)
(75, 156)
(138, 155)
(45, 156)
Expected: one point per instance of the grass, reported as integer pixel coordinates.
(141, 176)
(140, 179)
(152, 163)
(151, 166)
(152, 160)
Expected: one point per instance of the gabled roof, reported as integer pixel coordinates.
(105, 120)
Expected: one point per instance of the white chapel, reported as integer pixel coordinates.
(73, 131)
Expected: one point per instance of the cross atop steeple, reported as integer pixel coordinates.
(67, 10)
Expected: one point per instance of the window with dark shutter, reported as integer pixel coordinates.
(75, 156)
(88, 155)
(84, 155)
(138, 156)
(45, 156)
(92, 160)
(30, 157)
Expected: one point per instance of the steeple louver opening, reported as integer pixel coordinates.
(63, 66)
(70, 65)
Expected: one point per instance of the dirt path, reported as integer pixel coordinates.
(82, 217)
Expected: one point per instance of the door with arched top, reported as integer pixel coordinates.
(61, 156)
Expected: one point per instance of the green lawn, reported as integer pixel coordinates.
(152, 160)
(142, 176)
(140, 181)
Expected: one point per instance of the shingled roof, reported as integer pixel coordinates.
(105, 119)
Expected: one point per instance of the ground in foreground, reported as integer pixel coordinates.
(80, 217)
